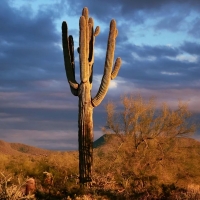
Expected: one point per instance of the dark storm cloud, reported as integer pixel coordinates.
(157, 66)
(170, 23)
(38, 119)
(158, 50)
(195, 31)
(131, 10)
(171, 17)
(166, 15)
(161, 66)
(28, 45)
(191, 48)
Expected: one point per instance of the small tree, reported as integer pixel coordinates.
(143, 142)
(144, 122)
(142, 134)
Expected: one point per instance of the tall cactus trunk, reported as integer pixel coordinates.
(85, 134)
(83, 90)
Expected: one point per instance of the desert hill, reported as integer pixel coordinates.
(16, 149)
(23, 149)
(19, 149)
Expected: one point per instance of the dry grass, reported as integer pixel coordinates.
(119, 173)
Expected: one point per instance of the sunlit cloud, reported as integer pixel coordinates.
(185, 58)
(171, 73)
(139, 58)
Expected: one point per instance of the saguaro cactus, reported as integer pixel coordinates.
(83, 89)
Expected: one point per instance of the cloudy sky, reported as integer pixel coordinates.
(158, 41)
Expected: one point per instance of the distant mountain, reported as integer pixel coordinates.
(23, 149)
(99, 142)
(18, 149)
(102, 140)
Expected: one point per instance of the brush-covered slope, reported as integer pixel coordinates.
(18, 149)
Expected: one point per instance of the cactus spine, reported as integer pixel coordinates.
(83, 89)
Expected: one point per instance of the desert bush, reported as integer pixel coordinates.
(12, 190)
(4, 159)
(144, 147)
(144, 122)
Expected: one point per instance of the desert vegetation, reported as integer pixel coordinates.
(146, 154)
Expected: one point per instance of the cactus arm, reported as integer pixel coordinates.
(68, 51)
(91, 49)
(86, 46)
(91, 41)
(97, 31)
(82, 50)
(91, 55)
(108, 65)
(116, 68)
(71, 51)
(84, 43)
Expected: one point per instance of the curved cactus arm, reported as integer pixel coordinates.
(68, 51)
(97, 31)
(108, 66)
(116, 68)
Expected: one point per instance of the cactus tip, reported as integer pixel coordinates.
(119, 60)
(82, 21)
(85, 9)
(91, 21)
(113, 24)
(85, 12)
(64, 24)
